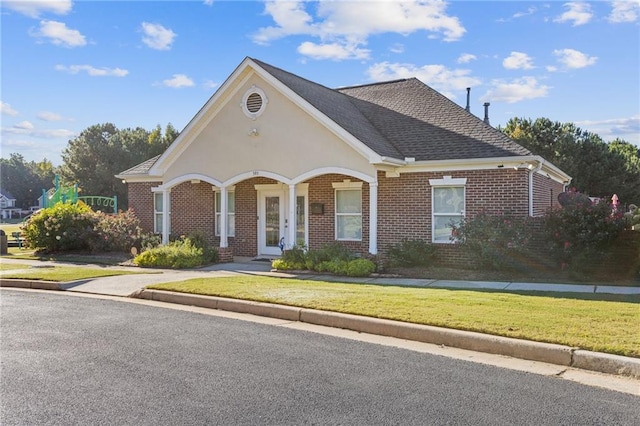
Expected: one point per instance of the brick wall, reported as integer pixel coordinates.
(545, 194)
(141, 202)
(404, 208)
(192, 209)
(322, 227)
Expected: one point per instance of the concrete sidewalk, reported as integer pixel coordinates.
(129, 284)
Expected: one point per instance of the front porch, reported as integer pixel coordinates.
(261, 216)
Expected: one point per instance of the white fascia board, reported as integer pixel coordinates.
(139, 178)
(553, 172)
(200, 120)
(519, 162)
(331, 125)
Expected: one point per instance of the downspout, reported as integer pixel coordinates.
(531, 172)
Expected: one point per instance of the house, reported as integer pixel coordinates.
(274, 160)
(8, 204)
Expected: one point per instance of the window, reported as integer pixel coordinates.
(448, 206)
(157, 212)
(231, 213)
(348, 211)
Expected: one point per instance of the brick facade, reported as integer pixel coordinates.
(141, 202)
(404, 206)
(545, 194)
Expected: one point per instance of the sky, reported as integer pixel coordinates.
(66, 65)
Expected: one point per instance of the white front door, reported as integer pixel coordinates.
(271, 222)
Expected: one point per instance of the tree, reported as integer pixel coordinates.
(597, 168)
(101, 151)
(25, 180)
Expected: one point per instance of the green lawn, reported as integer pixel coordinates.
(593, 322)
(63, 273)
(9, 266)
(8, 228)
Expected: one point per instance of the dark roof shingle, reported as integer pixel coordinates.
(142, 168)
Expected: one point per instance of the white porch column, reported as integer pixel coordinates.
(166, 215)
(223, 217)
(373, 217)
(291, 234)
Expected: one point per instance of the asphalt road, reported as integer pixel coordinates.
(70, 360)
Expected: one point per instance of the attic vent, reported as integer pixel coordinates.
(254, 102)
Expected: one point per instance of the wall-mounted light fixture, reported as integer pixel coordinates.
(253, 132)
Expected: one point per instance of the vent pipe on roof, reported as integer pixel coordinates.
(486, 112)
(468, 108)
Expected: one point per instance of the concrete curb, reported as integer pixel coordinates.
(522, 349)
(35, 284)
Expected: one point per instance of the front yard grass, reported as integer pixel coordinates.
(60, 273)
(603, 323)
(10, 266)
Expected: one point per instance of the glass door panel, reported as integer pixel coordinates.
(272, 221)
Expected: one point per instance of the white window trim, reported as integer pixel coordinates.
(157, 213)
(448, 182)
(217, 192)
(346, 185)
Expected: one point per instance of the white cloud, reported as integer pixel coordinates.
(93, 71)
(49, 116)
(518, 61)
(157, 37)
(59, 34)
(397, 48)
(465, 58)
(573, 59)
(210, 84)
(624, 128)
(551, 68)
(447, 81)
(624, 11)
(208, 2)
(578, 13)
(6, 109)
(178, 81)
(346, 26)
(515, 90)
(25, 128)
(529, 11)
(34, 8)
(333, 51)
(24, 125)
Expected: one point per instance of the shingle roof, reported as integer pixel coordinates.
(397, 119)
(404, 118)
(338, 107)
(142, 168)
(7, 194)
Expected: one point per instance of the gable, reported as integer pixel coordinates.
(285, 138)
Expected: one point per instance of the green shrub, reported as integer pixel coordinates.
(149, 241)
(412, 253)
(117, 232)
(494, 242)
(62, 227)
(360, 268)
(199, 239)
(333, 258)
(178, 254)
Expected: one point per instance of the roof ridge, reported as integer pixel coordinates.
(379, 83)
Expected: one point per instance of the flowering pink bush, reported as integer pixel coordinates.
(580, 233)
(117, 232)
